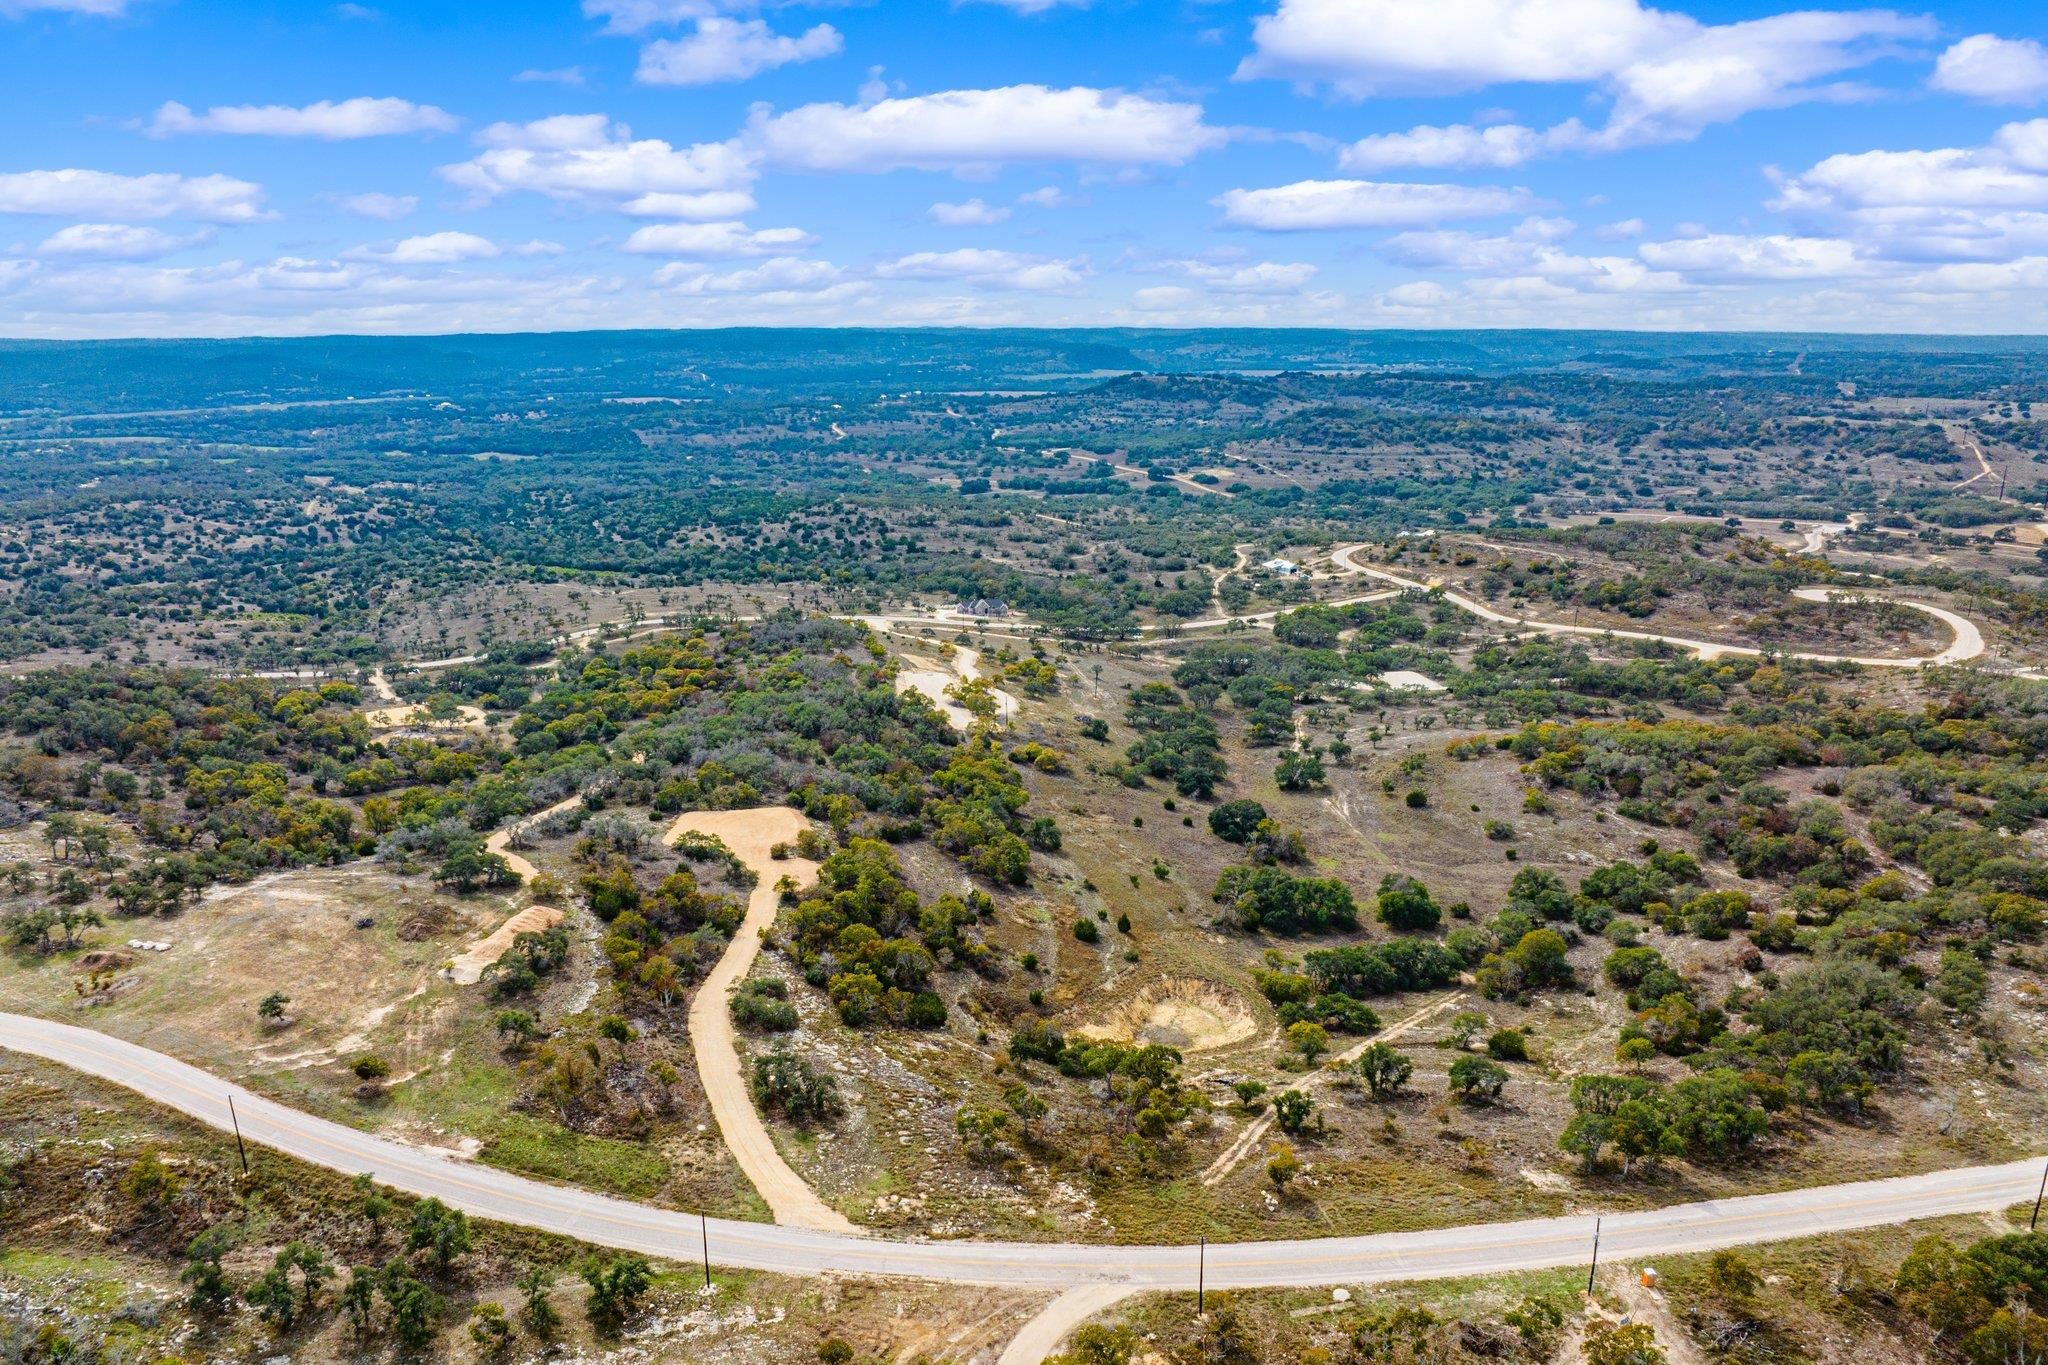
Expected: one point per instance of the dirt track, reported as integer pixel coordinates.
(750, 834)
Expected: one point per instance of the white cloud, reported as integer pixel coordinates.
(986, 267)
(637, 16)
(716, 240)
(561, 75)
(115, 242)
(387, 208)
(1668, 74)
(709, 204)
(967, 130)
(105, 195)
(1036, 6)
(1046, 197)
(434, 248)
(974, 213)
(1726, 256)
(1164, 298)
(586, 156)
(1614, 232)
(1262, 277)
(2000, 70)
(783, 275)
(1318, 204)
(105, 9)
(327, 120)
(1460, 144)
(731, 50)
(2006, 172)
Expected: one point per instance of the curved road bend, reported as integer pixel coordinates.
(1968, 642)
(1484, 1249)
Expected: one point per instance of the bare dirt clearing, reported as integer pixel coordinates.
(469, 966)
(1193, 1016)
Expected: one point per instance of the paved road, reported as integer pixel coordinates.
(1485, 1249)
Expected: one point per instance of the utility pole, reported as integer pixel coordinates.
(237, 1122)
(704, 1231)
(1593, 1269)
(1202, 1274)
(2035, 1220)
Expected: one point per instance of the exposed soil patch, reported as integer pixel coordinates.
(1193, 1016)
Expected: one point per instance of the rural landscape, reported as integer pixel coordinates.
(994, 846)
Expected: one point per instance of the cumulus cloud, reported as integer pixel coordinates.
(732, 50)
(1261, 277)
(442, 248)
(1460, 144)
(1325, 204)
(1999, 70)
(983, 266)
(1046, 197)
(1987, 203)
(697, 207)
(974, 213)
(717, 240)
(1669, 75)
(586, 156)
(970, 130)
(126, 198)
(327, 120)
(782, 281)
(115, 242)
(2011, 170)
(387, 208)
(1729, 256)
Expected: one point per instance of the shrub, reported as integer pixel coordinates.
(1508, 1045)
(1477, 1080)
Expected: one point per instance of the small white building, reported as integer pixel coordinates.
(1284, 568)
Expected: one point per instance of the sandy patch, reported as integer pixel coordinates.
(930, 680)
(468, 967)
(1194, 1016)
(414, 718)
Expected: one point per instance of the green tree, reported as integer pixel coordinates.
(202, 1272)
(1477, 1080)
(1404, 904)
(1282, 1165)
(617, 1284)
(414, 1307)
(491, 1330)
(537, 1310)
(1384, 1069)
(441, 1232)
(1311, 1040)
(1236, 821)
(1292, 1109)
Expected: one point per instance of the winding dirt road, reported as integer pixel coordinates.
(1967, 644)
(751, 834)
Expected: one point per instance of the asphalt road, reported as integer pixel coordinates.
(1483, 1249)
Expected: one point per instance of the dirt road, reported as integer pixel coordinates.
(750, 834)
(1968, 642)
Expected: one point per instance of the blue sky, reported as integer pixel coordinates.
(193, 167)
